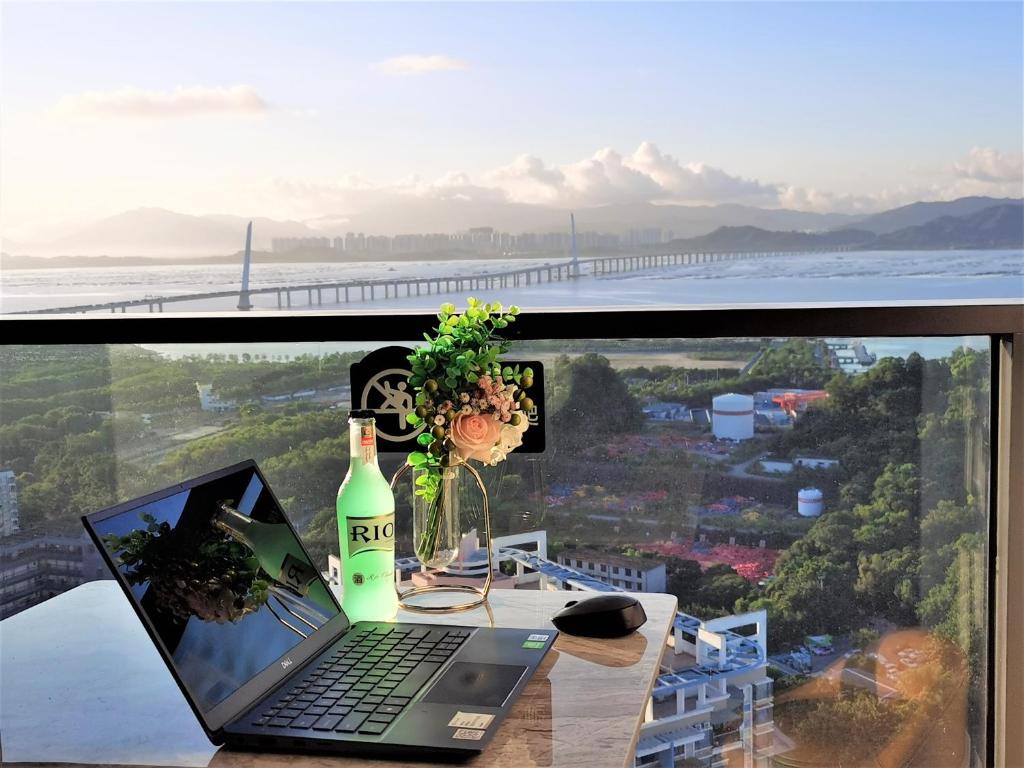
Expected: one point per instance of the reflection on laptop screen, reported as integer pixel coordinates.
(221, 577)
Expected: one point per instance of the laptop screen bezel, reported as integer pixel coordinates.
(214, 719)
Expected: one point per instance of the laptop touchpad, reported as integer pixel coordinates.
(482, 685)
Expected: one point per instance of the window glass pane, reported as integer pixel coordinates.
(820, 501)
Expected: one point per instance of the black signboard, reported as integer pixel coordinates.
(380, 383)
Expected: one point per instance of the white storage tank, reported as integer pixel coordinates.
(809, 502)
(732, 416)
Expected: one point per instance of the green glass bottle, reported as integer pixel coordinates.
(366, 527)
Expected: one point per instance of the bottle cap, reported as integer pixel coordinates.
(362, 414)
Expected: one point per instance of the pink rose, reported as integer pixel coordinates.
(474, 436)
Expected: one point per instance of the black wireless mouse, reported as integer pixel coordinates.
(611, 615)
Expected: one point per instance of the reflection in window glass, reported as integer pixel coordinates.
(817, 505)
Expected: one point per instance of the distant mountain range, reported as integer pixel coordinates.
(162, 233)
(917, 214)
(991, 227)
(155, 232)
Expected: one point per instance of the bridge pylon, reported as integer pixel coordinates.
(244, 305)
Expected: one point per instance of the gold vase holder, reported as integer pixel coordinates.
(477, 595)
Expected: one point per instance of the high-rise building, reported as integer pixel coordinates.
(10, 522)
(34, 568)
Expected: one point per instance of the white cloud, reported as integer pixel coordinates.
(181, 102)
(528, 179)
(698, 181)
(414, 64)
(608, 177)
(991, 165)
(646, 175)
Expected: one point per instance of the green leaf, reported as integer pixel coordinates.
(417, 458)
(472, 378)
(424, 438)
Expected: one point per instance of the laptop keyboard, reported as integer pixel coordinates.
(365, 682)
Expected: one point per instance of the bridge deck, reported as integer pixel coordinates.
(352, 291)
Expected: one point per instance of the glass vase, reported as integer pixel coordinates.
(451, 538)
(436, 529)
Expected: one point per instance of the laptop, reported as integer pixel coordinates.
(266, 665)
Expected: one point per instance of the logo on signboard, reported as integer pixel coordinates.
(380, 383)
(383, 394)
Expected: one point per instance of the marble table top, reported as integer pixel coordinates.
(81, 683)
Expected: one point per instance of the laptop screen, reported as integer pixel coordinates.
(222, 578)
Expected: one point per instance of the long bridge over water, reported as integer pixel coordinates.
(367, 290)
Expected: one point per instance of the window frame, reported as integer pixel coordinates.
(1001, 321)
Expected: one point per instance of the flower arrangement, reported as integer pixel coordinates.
(473, 407)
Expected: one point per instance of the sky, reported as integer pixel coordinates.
(312, 111)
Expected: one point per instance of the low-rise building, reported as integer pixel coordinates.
(715, 699)
(209, 401)
(815, 462)
(634, 574)
(666, 412)
(770, 418)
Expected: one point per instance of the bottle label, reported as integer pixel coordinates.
(368, 443)
(296, 574)
(370, 533)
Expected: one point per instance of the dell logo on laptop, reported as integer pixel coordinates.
(286, 663)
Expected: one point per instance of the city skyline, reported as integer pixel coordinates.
(316, 112)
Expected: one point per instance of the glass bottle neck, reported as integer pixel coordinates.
(362, 444)
(234, 523)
